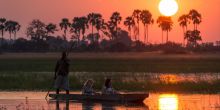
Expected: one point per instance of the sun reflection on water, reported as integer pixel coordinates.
(169, 78)
(168, 102)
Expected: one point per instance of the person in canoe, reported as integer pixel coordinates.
(61, 74)
(108, 89)
(88, 88)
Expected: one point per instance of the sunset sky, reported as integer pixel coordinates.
(24, 11)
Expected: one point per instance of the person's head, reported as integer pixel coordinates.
(89, 83)
(107, 82)
(64, 55)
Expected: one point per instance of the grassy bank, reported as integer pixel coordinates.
(113, 62)
(121, 82)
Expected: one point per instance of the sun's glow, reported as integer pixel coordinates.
(168, 102)
(168, 7)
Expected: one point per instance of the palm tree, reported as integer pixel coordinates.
(2, 27)
(183, 22)
(94, 20)
(17, 27)
(9, 26)
(196, 18)
(136, 15)
(64, 25)
(75, 28)
(129, 22)
(100, 24)
(165, 23)
(83, 25)
(51, 28)
(115, 19)
(146, 18)
(160, 24)
(79, 25)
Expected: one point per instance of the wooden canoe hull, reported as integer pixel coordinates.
(111, 98)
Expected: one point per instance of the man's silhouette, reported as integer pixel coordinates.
(61, 74)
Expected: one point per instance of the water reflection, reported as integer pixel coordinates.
(64, 108)
(106, 106)
(168, 102)
(88, 105)
(156, 101)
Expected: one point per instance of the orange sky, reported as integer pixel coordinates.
(24, 11)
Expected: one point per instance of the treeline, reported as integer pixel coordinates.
(94, 33)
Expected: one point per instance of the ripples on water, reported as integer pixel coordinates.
(35, 101)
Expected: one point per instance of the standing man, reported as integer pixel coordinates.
(61, 74)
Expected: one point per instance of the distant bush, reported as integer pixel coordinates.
(173, 48)
(118, 47)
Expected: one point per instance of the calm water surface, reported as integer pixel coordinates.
(156, 101)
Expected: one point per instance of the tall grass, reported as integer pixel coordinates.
(122, 82)
(114, 65)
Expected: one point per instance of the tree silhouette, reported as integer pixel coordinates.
(36, 30)
(146, 18)
(95, 20)
(2, 28)
(193, 37)
(165, 23)
(51, 28)
(79, 25)
(196, 18)
(101, 25)
(10, 27)
(184, 20)
(115, 19)
(129, 22)
(75, 28)
(65, 25)
(136, 15)
(16, 28)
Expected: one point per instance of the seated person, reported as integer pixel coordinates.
(88, 88)
(107, 89)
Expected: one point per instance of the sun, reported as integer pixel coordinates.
(168, 7)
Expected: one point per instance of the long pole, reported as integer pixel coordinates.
(67, 53)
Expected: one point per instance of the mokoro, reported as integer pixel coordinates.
(99, 97)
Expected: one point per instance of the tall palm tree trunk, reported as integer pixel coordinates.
(78, 39)
(14, 35)
(162, 37)
(10, 38)
(116, 31)
(138, 30)
(130, 33)
(92, 32)
(194, 27)
(183, 37)
(167, 36)
(65, 34)
(147, 35)
(2, 37)
(135, 35)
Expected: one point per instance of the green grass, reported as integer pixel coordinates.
(114, 65)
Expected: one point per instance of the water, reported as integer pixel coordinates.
(156, 101)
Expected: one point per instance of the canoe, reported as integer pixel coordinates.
(98, 97)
